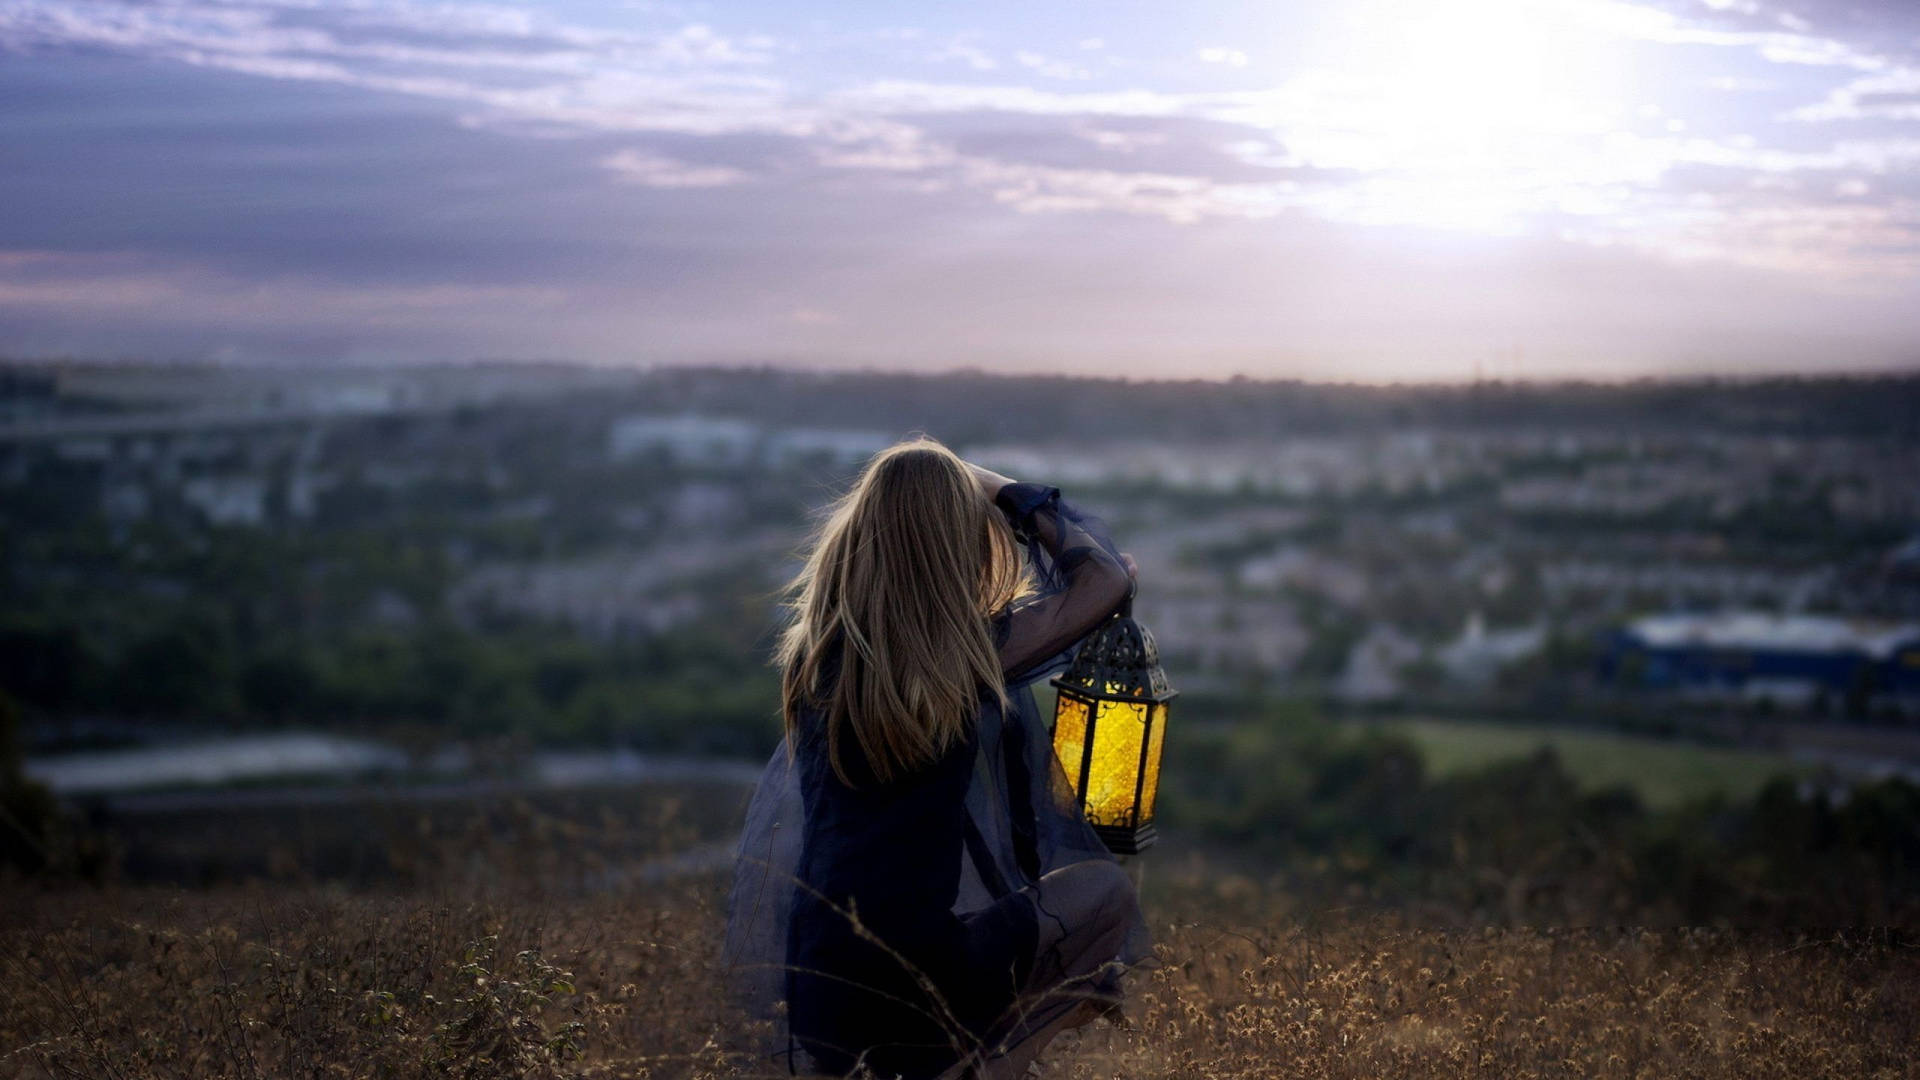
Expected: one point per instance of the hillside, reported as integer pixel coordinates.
(293, 982)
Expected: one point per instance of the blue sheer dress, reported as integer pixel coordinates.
(895, 925)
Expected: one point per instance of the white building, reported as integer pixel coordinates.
(1478, 654)
(695, 440)
(228, 500)
(842, 446)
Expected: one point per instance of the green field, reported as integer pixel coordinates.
(1664, 773)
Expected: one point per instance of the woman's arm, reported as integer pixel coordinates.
(990, 482)
(1097, 579)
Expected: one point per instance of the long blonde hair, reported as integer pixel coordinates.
(906, 570)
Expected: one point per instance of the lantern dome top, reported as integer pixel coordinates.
(1118, 660)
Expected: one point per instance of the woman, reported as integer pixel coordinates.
(915, 882)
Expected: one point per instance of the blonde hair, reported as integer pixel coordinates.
(905, 570)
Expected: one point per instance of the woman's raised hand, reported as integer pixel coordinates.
(990, 482)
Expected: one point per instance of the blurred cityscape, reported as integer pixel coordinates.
(578, 556)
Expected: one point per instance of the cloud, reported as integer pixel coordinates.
(89, 303)
(653, 170)
(526, 73)
(1049, 67)
(966, 53)
(670, 179)
(510, 64)
(1886, 95)
(1223, 56)
(1210, 150)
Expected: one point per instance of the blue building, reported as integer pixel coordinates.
(1791, 660)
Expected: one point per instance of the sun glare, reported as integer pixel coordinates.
(1476, 114)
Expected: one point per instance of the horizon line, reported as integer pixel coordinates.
(769, 367)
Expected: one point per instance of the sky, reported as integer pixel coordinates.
(1323, 189)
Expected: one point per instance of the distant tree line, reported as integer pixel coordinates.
(697, 690)
(965, 405)
(1356, 819)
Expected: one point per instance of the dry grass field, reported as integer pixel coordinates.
(305, 981)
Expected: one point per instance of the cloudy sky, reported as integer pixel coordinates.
(1368, 189)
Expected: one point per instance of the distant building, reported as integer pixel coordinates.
(838, 445)
(1226, 632)
(347, 399)
(1302, 567)
(1786, 659)
(720, 441)
(1478, 654)
(228, 500)
(697, 440)
(1372, 674)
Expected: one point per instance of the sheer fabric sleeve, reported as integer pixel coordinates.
(1078, 574)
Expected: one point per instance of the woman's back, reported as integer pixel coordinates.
(878, 961)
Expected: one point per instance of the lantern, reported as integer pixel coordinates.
(1108, 727)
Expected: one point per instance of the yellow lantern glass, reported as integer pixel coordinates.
(1109, 725)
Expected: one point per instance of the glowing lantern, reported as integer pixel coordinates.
(1109, 724)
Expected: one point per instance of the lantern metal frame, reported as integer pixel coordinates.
(1120, 662)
